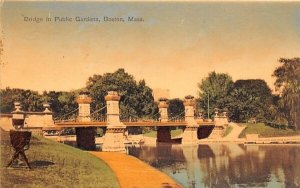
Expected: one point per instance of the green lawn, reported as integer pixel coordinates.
(174, 133)
(54, 165)
(266, 131)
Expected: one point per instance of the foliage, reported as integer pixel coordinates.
(288, 84)
(176, 108)
(61, 103)
(216, 86)
(136, 97)
(266, 131)
(30, 100)
(248, 99)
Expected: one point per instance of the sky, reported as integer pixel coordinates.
(174, 48)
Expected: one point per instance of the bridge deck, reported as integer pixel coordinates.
(127, 124)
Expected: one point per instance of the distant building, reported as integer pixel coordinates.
(161, 93)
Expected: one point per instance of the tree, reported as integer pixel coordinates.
(30, 100)
(248, 99)
(176, 108)
(136, 97)
(215, 87)
(288, 85)
(61, 103)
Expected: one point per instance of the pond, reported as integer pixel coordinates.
(224, 165)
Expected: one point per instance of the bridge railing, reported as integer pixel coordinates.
(177, 119)
(138, 119)
(66, 118)
(70, 116)
(99, 117)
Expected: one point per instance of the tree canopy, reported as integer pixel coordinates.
(30, 100)
(244, 99)
(215, 87)
(136, 97)
(176, 108)
(250, 99)
(288, 85)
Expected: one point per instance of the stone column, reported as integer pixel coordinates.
(85, 136)
(189, 135)
(163, 133)
(114, 137)
(18, 116)
(48, 119)
(163, 109)
(225, 118)
(84, 112)
(219, 128)
(217, 118)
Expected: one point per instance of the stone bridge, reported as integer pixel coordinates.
(193, 129)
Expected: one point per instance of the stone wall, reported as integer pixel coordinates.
(6, 122)
(217, 132)
(38, 119)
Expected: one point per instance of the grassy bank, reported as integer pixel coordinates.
(266, 131)
(54, 165)
(174, 133)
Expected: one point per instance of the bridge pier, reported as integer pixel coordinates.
(189, 135)
(85, 136)
(221, 123)
(163, 133)
(114, 137)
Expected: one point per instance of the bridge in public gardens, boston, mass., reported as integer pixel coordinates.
(85, 122)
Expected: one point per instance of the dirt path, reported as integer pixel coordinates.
(132, 172)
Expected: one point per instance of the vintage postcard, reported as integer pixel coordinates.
(150, 93)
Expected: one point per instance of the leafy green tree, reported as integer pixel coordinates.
(250, 99)
(175, 108)
(215, 87)
(61, 103)
(136, 97)
(30, 100)
(288, 84)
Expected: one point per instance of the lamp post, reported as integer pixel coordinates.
(208, 107)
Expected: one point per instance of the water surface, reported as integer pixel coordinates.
(225, 165)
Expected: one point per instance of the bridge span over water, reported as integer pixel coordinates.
(128, 124)
(85, 125)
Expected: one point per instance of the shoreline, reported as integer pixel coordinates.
(132, 172)
(288, 140)
(263, 140)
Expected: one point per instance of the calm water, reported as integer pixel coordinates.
(225, 165)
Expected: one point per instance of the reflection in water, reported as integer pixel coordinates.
(225, 165)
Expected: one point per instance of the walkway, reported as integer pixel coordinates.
(233, 136)
(235, 132)
(132, 172)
